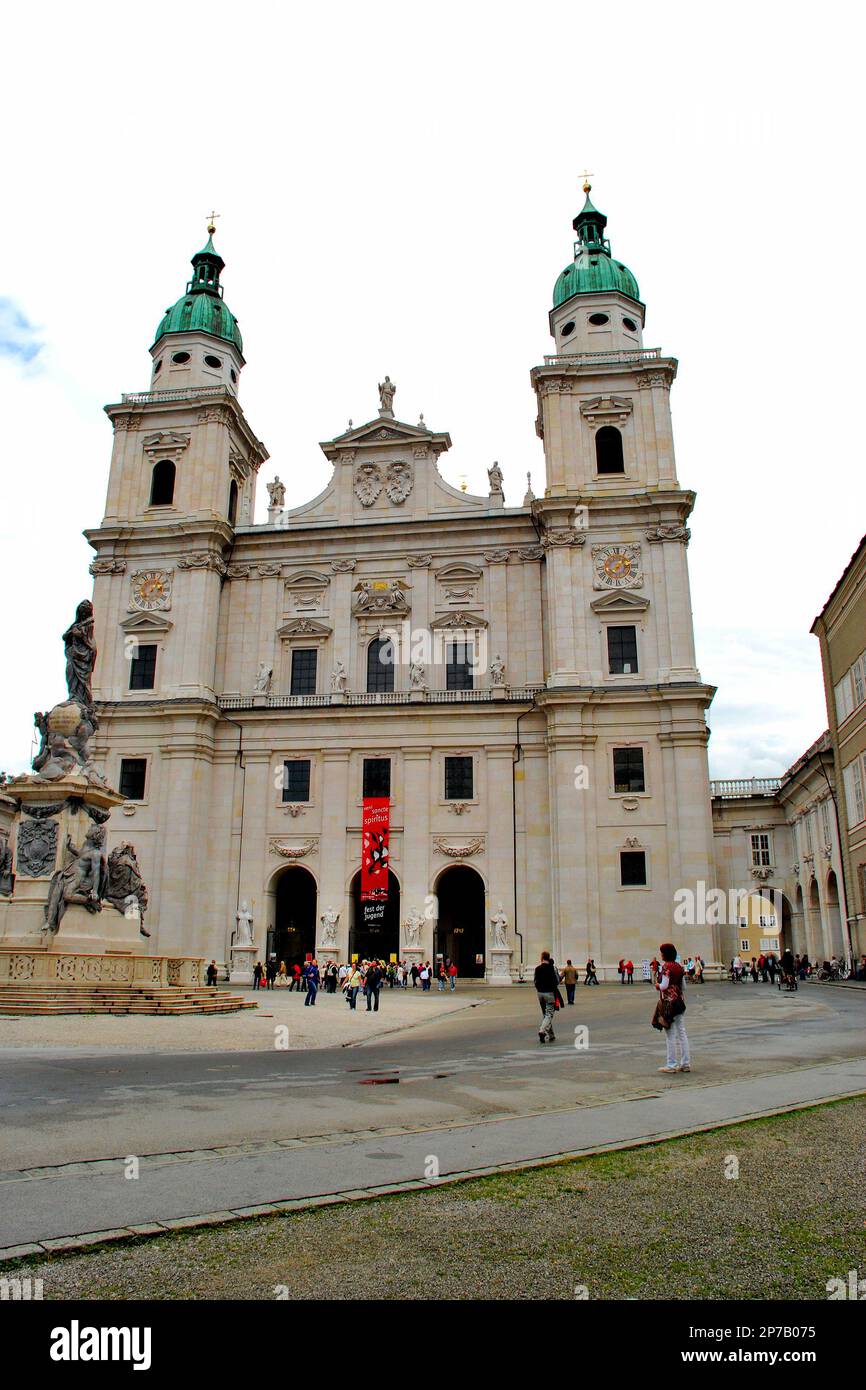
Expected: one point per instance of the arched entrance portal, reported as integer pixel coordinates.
(836, 942)
(295, 915)
(461, 927)
(374, 929)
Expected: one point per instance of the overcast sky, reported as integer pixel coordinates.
(396, 184)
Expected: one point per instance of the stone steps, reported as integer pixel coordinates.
(20, 1000)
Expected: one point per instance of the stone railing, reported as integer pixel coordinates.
(385, 697)
(191, 393)
(565, 359)
(729, 787)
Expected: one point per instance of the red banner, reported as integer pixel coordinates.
(375, 827)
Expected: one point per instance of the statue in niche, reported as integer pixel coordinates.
(499, 923)
(387, 390)
(83, 878)
(244, 919)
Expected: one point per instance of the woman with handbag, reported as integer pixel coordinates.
(670, 1009)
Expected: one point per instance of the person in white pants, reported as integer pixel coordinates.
(670, 987)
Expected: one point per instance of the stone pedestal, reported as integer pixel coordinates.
(417, 696)
(243, 963)
(326, 955)
(499, 970)
(413, 955)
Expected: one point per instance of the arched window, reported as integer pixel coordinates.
(162, 483)
(608, 450)
(233, 502)
(380, 665)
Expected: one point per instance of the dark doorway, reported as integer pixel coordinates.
(295, 916)
(461, 928)
(375, 927)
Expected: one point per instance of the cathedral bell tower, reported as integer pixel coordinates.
(624, 701)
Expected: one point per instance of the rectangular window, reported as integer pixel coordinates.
(458, 779)
(858, 675)
(458, 669)
(296, 780)
(844, 698)
(142, 668)
(769, 943)
(825, 821)
(744, 943)
(622, 651)
(632, 868)
(304, 662)
(628, 774)
(853, 778)
(807, 831)
(377, 777)
(132, 777)
(760, 850)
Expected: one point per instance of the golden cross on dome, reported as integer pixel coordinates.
(211, 222)
(586, 181)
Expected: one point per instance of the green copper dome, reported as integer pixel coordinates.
(594, 269)
(202, 309)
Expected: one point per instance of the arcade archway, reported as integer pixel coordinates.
(295, 915)
(374, 928)
(461, 926)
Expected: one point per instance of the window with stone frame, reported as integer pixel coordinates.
(632, 868)
(305, 662)
(296, 779)
(622, 651)
(377, 777)
(142, 667)
(459, 666)
(380, 666)
(760, 845)
(459, 779)
(133, 776)
(628, 770)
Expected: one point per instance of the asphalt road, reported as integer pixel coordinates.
(482, 1063)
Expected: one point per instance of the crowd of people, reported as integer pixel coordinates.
(353, 977)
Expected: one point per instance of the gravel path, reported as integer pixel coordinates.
(650, 1223)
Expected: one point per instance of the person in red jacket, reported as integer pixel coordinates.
(452, 975)
(629, 970)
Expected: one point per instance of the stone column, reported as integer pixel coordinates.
(417, 871)
(500, 854)
(259, 793)
(334, 800)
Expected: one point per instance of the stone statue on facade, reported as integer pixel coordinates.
(56, 758)
(277, 494)
(497, 670)
(417, 672)
(83, 878)
(80, 655)
(6, 878)
(262, 684)
(414, 925)
(387, 390)
(339, 679)
(495, 479)
(499, 923)
(329, 919)
(244, 920)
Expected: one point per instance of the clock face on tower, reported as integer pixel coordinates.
(617, 567)
(151, 589)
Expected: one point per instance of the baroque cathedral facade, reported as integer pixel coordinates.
(517, 684)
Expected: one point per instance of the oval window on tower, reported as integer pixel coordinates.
(180, 357)
(598, 319)
(568, 328)
(157, 367)
(210, 361)
(630, 325)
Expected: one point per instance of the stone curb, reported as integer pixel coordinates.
(94, 1239)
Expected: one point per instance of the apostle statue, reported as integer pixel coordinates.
(277, 494)
(414, 925)
(495, 479)
(329, 919)
(387, 388)
(244, 920)
(417, 672)
(497, 670)
(339, 679)
(262, 684)
(499, 923)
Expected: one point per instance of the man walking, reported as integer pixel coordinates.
(372, 985)
(569, 979)
(311, 971)
(546, 985)
(591, 977)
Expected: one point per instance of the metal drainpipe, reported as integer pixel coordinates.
(514, 763)
(242, 766)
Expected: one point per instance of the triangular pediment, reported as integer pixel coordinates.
(304, 627)
(620, 602)
(154, 623)
(385, 432)
(462, 619)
